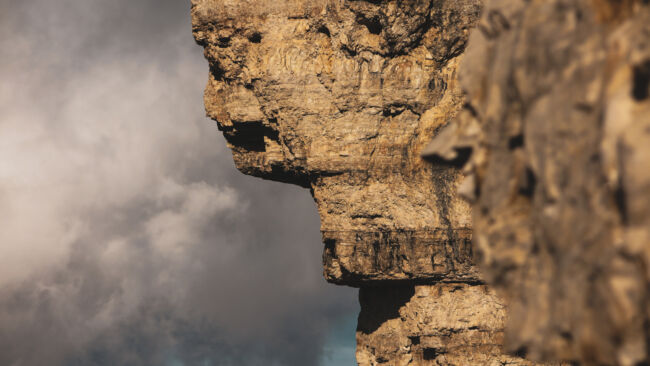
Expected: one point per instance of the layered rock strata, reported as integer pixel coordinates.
(558, 122)
(340, 96)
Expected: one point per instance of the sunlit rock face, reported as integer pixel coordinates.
(558, 118)
(341, 96)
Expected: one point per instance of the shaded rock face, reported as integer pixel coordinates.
(558, 119)
(443, 324)
(340, 97)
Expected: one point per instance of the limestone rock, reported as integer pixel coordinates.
(558, 122)
(442, 324)
(341, 97)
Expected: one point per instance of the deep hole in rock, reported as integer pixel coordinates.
(250, 136)
(373, 24)
(528, 188)
(323, 29)
(224, 42)
(566, 335)
(463, 154)
(619, 199)
(380, 304)
(250, 143)
(516, 142)
(349, 51)
(521, 352)
(256, 37)
(218, 72)
(429, 354)
(641, 81)
(471, 109)
(330, 245)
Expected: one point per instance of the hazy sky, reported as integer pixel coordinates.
(127, 235)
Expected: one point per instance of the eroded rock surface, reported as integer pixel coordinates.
(341, 96)
(443, 324)
(558, 118)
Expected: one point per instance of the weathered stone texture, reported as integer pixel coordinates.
(558, 120)
(341, 96)
(442, 324)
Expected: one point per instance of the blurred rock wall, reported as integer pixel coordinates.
(558, 124)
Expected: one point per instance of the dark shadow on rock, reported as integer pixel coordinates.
(379, 304)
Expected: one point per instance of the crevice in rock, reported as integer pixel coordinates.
(255, 37)
(516, 142)
(349, 51)
(621, 206)
(250, 135)
(379, 304)
(527, 187)
(223, 42)
(430, 354)
(641, 81)
(218, 73)
(324, 30)
(463, 154)
(372, 24)
(521, 352)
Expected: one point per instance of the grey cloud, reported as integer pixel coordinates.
(128, 237)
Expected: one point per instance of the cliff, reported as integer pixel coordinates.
(558, 123)
(546, 135)
(340, 97)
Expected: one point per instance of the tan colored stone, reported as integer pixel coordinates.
(341, 96)
(443, 324)
(558, 120)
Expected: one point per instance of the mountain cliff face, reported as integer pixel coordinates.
(341, 97)
(558, 120)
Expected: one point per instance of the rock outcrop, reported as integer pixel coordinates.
(341, 96)
(443, 324)
(558, 122)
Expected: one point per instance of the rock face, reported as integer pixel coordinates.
(558, 121)
(444, 324)
(341, 96)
